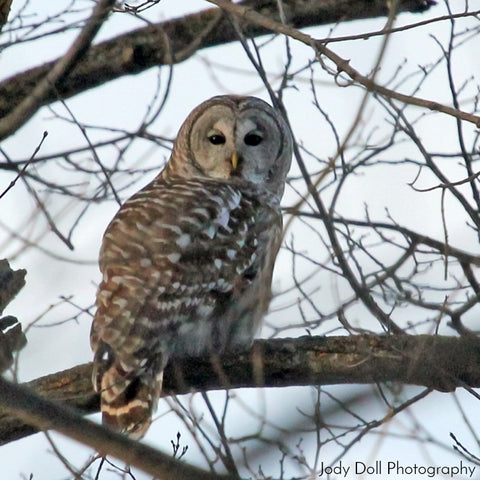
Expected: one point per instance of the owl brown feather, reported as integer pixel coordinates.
(187, 262)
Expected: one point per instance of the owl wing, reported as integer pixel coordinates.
(186, 269)
(182, 264)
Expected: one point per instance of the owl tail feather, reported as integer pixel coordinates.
(127, 402)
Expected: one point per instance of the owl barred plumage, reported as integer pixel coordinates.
(187, 262)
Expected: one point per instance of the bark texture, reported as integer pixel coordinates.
(11, 335)
(436, 362)
(176, 40)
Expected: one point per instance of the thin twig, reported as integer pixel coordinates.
(342, 65)
(25, 166)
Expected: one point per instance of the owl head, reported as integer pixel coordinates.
(236, 139)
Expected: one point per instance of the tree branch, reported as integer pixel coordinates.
(45, 415)
(176, 40)
(11, 335)
(11, 282)
(253, 17)
(46, 86)
(437, 362)
(4, 11)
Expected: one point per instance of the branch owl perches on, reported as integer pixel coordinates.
(187, 262)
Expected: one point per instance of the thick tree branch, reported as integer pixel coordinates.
(11, 335)
(4, 11)
(176, 40)
(252, 17)
(437, 362)
(11, 282)
(45, 415)
(30, 103)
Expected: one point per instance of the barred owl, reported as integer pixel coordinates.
(187, 261)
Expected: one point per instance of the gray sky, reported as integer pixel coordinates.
(55, 272)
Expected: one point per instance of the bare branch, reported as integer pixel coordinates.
(4, 11)
(11, 335)
(31, 102)
(11, 282)
(44, 414)
(174, 41)
(438, 362)
(343, 65)
(25, 165)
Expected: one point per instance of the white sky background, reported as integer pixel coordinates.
(121, 104)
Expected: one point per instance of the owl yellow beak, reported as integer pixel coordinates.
(234, 160)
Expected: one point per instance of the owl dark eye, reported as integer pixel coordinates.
(252, 139)
(216, 139)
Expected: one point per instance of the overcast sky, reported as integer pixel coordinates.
(54, 272)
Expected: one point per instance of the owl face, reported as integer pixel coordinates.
(244, 138)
